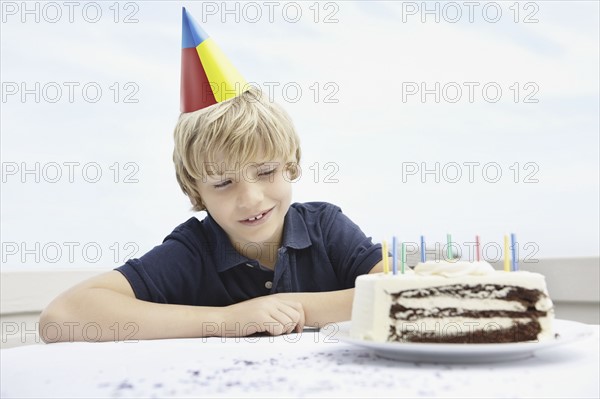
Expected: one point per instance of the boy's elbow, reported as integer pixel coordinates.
(47, 319)
(52, 322)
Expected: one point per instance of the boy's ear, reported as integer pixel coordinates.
(293, 170)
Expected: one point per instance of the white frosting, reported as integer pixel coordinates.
(446, 301)
(454, 269)
(373, 299)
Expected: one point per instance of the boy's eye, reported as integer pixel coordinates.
(225, 183)
(268, 172)
(222, 184)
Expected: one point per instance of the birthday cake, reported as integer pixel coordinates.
(452, 302)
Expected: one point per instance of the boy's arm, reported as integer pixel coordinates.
(105, 308)
(321, 308)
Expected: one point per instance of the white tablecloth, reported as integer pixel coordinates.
(297, 365)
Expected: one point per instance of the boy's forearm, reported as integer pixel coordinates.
(99, 314)
(321, 308)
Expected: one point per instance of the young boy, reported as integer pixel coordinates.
(255, 263)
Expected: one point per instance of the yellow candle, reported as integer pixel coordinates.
(506, 255)
(384, 254)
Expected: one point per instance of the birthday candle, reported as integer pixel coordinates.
(422, 249)
(515, 261)
(506, 255)
(384, 250)
(403, 256)
(449, 251)
(394, 260)
(477, 248)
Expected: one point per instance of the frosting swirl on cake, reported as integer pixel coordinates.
(453, 269)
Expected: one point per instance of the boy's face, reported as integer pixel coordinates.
(249, 201)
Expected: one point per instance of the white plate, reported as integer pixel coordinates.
(568, 331)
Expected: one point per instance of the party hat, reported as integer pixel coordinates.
(207, 76)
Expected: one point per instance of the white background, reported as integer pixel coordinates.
(369, 53)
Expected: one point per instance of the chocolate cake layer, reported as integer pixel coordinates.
(410, 314)
(518, 332)
(481, 291)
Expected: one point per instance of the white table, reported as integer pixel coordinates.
(297, 365)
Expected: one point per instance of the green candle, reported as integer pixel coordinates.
(403, 257)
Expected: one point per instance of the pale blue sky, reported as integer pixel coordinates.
(367, 57)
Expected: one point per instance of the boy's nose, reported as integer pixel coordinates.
(250, 195)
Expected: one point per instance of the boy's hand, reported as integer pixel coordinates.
(271, 314)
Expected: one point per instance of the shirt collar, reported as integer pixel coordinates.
(295, 235)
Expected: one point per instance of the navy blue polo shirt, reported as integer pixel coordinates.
(322, 250)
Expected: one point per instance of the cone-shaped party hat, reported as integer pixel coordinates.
(207, 76)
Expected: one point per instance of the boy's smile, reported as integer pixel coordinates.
(250, 206)
(257, 219)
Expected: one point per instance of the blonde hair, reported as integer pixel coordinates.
(239, 129)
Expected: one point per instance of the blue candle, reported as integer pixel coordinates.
(422, 249)
(394, 260)
(515, 261)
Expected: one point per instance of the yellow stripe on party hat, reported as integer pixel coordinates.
(207, 75)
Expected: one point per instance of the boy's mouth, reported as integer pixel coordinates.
(257, 218)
